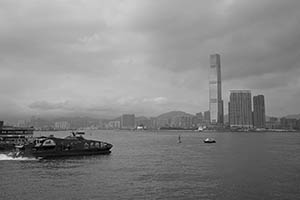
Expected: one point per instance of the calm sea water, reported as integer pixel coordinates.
(152, 165)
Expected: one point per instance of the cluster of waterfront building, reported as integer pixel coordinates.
(131, 122)
(240, 116)
(240, 112)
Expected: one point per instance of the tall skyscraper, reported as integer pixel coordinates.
(259, 117)
(215, 90)
(240, 109)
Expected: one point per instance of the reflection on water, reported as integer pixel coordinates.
(152, 165)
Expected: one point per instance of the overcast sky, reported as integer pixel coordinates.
(108, 57)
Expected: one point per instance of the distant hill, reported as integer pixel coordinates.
(171, 119)
(293, 116)
(174, 114)
(141, 118)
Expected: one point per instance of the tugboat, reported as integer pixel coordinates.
(74, 145)
(209, 140)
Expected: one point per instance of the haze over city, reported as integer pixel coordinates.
(105, 58)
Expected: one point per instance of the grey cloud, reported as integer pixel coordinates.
(45, 36)
(44, 105)
(257, 36)
(265, 82)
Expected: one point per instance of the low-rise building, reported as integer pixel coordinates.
(62, 125)
(287, 123)
(115, 124)
(273, 123)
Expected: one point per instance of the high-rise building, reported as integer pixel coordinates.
(207, 116)
(215, 90)
(128, 121)
(259, 116)
(240, 109)
(199, 118)
(153, 123)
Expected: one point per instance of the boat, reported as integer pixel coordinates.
(11, 136)
(80, 132)
(141, 128)
(74, 145)
(209, 140)
(200, 129)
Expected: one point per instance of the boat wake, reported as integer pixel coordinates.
(10, 157)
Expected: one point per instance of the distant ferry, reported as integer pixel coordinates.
(11, 136)
(139, 128)
(51, 147)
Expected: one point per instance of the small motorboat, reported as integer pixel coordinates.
(209, 140)
(200, 129)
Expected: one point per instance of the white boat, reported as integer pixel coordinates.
(201, 128)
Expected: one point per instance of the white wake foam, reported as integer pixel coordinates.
(9, 157)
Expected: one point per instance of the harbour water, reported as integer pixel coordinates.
(153, 165)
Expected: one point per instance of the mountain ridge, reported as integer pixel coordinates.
(173, 114)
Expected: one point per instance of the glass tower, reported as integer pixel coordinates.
(215, 90)
(240, 108)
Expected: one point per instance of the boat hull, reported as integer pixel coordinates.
(68, 154)
(209, 141)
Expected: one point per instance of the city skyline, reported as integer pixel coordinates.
(106, 58)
